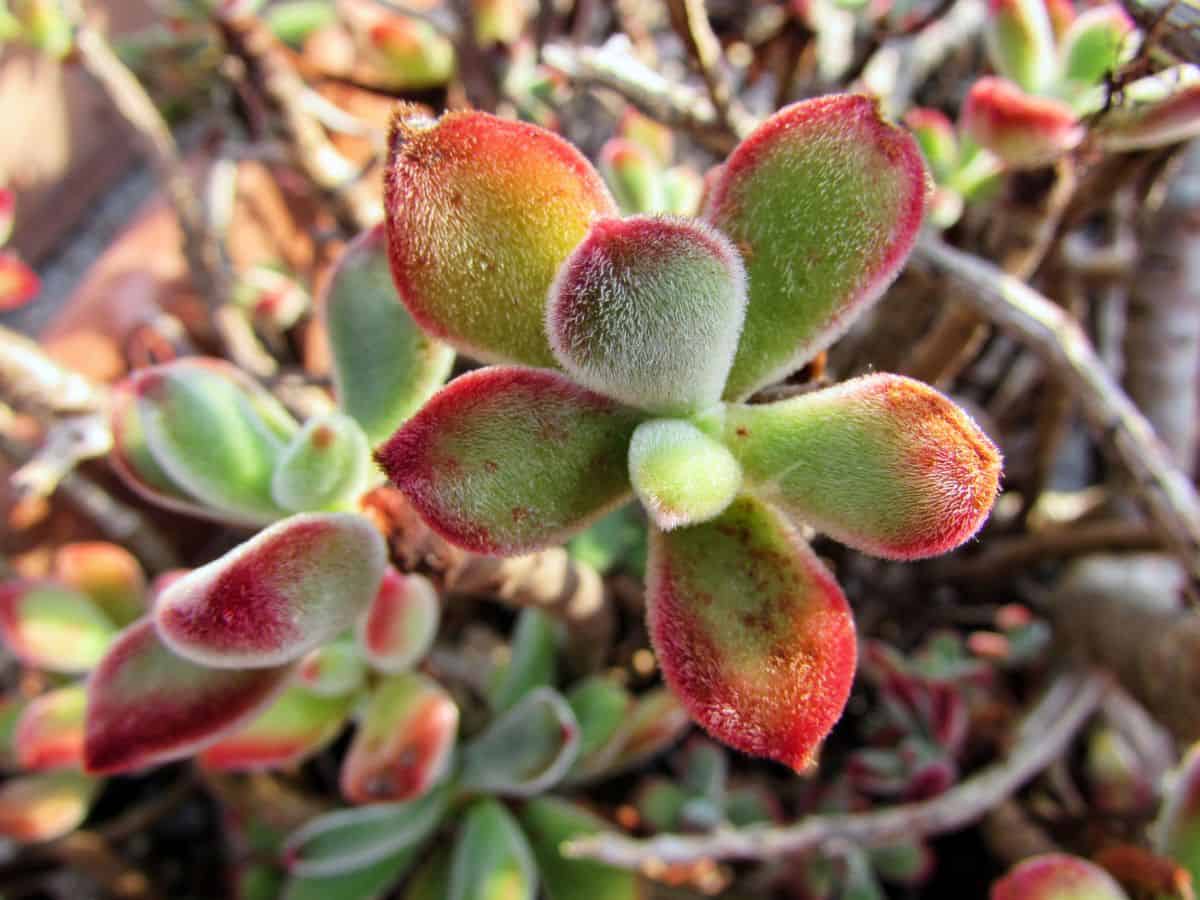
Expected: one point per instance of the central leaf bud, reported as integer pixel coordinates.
(680, 474)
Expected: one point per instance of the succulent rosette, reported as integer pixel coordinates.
(627, 350)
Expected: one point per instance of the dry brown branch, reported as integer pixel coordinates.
(31, 382)
(1012, 836)
(1167, 493)
(1004, 556)
(689, 18)
(1042, 737)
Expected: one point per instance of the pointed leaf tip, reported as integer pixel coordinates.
(147, 706)
(1023, 130)
(681, 475)
(824, 201)
(1057, 876)
(752, 632)
(277, 596)
(481, 212)
(507, 460)
(384, 366)
(882, 463)
(648, 310)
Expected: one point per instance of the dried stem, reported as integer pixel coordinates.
(1043, 736)
(1061, 344)
(690, 21)
(31, 382)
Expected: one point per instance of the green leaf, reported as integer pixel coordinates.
(51, 626)
(616, 541)
(1020, 42)
(526, 751)
(533, 660)
(1057, 876)
(349, 840)
(823, 200)
(372, 881)
(1097, 43)
(409, 53)
(404, 743)
(384, 366)
(432, 880)
(279, 595)
(883, 463)
(1025, 131)
(335, 669)
(492, 859)
(326, 466)
(648, 310)
(1158, 111)
(752, 632)
(109, 574)
(935, 135)
(550, 822)
(49, 733)
(45, 806)
(398, 628)
(292, 21)
(507, 460)
(681, 475)
(600, 706)
(481, 212)
(634, 177)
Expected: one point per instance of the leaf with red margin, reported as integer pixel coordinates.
(824, 201)
(935, 135)
(8, 214)
(384, 366)
(1057, 876)
(333, 670)
(147, 706)
(109, 574)
(648, 310)
(404, 741)
(284, 592)
(1097, 43)
(19, 284)
(1020, 42)
(1023, 130)
(399, 626)
(882, 463)
(1157, 111)
(297, 725)
(44, 806)
(49, 733)
(633, 175)
(51, 626)
(481, 212)
(752, 632)
(681, 475)
(508, 460)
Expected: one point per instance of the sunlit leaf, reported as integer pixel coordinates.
(333, 670)
(51, 626)
(19, 284)
(1157, 111)
(634, 176)
(1020, 42)
(681, 475)
(399, 626)
(1096, 43)
(326, 465)
(410, 54)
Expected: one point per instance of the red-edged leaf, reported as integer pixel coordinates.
(883, 463)
(1096, 42)
(399, 626)
(109, 574)
(333, 670)
(44, 806)
(147, 706)
(384, 366)
(935, 134)
(1020, 41)
(290, 730)
(19, 284)
(409, 53)
(752, 632)
(1057, 876)
(52, 626)
(8, 214)
(1157, 111)
(648, 310)
(634, 176)
(824, 200)
(271, 600)
(508, 460)
(49, 733)
(480, 213)
(326, 466)
(404, 742)
(1023, 130)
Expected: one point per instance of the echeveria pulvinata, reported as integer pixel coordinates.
(637, 343)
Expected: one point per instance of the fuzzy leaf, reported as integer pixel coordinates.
(1158, 111)
(1020, 42)
(290, 730)
(271, 600)
(350, 839)
(526, 751)
(326, 466)
(481, 212)
(681, 475)
(656, 721)
(935, 135)
(1023, 130)
(549, 822)
(51, 626)
(600, 706)
(384, 366)
(404, 741)
(532, 663)
(49, 733)
(824, 201)
(492, 859)
(333, 670)
(213, 433)
(634, 177)
(109, 574)
(507, 460)
(44, 806)
(410, 53)
(648, 310)
(1177, 830)
(883, 463)
(147, 706)
(1057, 876)
(752, 632)
(398, 628)
(19, 284)
(1096, 43)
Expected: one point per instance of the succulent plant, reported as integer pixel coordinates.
(962, 170)
(627, 350)
(1057, 876)
(18, 283)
